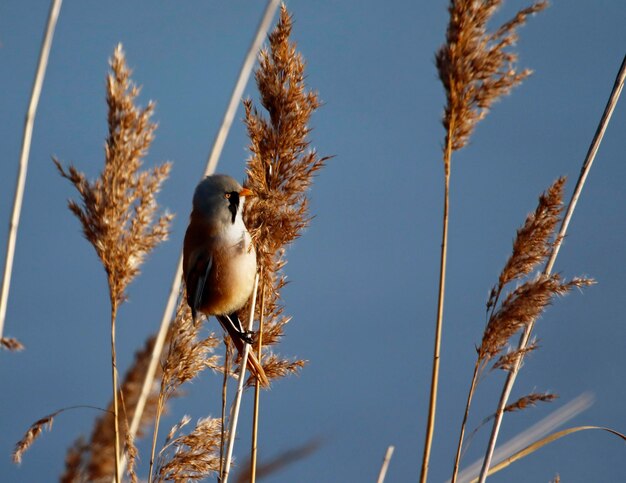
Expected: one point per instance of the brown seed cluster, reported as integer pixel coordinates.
(530, 400)
(118, 209)
(11, 344)
(533, 242)
(31, 435)
(508, 361)
(280, 171)
(475, 66)
(525, 304)
(187, 354)
(194, 456)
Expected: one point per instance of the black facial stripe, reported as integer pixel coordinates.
(233, 204)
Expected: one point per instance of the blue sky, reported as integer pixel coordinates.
(364, 275)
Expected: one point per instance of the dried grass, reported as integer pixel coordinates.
(280, 171)
(508, 361)
(11, 344)
(187, 356)
(118, 209)
(476, 68)
(523, 305)
(530, 400)
(534, 240)
(195, 456)
(31, 435)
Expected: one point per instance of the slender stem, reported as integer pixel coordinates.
(470, 395)
(114, 377)
(432, 408)
(53, 15)
(216, 151)
(224, 397)
(257, 393)
(234, 418)
(155, 433)
(385, 465)
(589, 158)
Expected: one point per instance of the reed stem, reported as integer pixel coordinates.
(589, 158)
(257, 393)
(53, 15)
(114, 378)
(432, 408)
(234, 419)
(470, 395)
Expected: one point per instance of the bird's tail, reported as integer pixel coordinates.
(232, 325)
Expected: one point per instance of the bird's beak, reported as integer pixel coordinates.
(246, 192)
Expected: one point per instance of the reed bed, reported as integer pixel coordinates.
(119, 216)
(122, 220)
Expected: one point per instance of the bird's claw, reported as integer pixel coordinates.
(247, 336)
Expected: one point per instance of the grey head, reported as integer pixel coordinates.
(218, 197)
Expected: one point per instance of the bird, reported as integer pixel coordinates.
(219, 259)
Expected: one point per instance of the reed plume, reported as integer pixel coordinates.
(280, 171)
(11, 344)
(118, 209)
(187, 356)
(524, 304)
(194, 456)
(530, 400)
(31, 435)
(476, 68)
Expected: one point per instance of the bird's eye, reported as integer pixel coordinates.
(226, 195)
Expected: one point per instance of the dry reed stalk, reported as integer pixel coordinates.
(216, 151)
(584, 172)
(476, 69)
(234, 413)
(538, 430)
(118, 208)
(187, 356)
(280, 172)
(53, 15)
(522, 403)
(385, 465)
(131, 452)
(226, 373)
(524, 304)
(257, 394)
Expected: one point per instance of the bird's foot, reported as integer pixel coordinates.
(246, 336)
